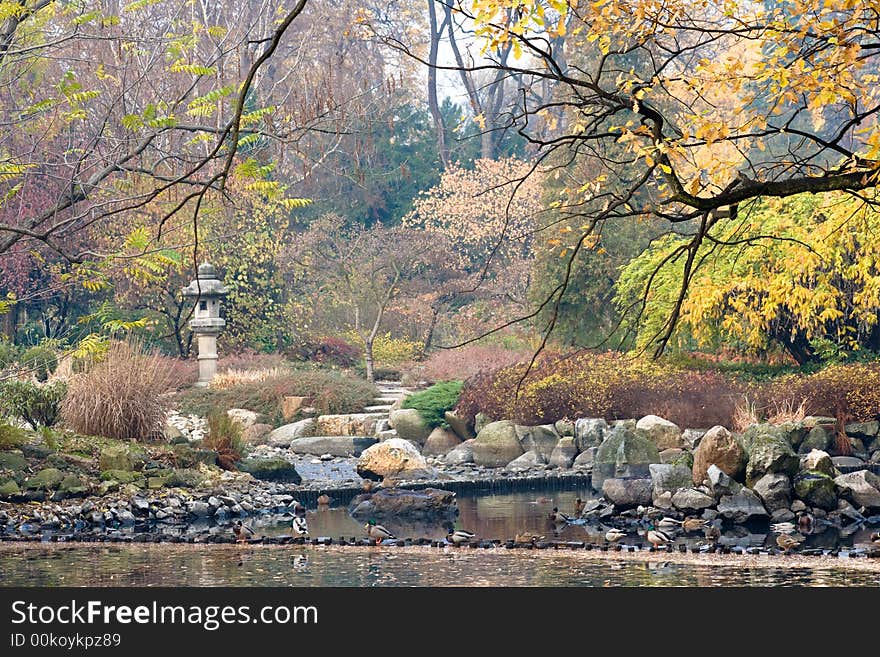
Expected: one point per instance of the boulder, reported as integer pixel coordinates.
(741, 507)
(690, 499)
(46, 479)
(586, 458)
(290, 406)
(692, 437)
(463, 453)
(459, 425)
(390, 458)
(862, 487)
(564, 453)
(669, 478)
(818, 438)
(864, 430)
(782, 515)
(187, 456)
(256, 434)
(774, 490)
(770, 454)
(661, 432)
(199, 509)
(271, 469)
(73, 486)
(627, 492)
(626, 453)
(720, 483)
(589, 432)
(121, 457)
(541, 438)
(243, 416)
(9, 489)
(351, 424)
(496, 444)
(820, 461)
(720, 447)
(174, 435)
(564, 428)
(763, 429)
(480, 421)
(409, 425)
(847, 463)
(393, 503)
(13, 460)
(333, 445)
(530, 459)
(793, 432)
(440, 441)
(816, 489)
(286, 434)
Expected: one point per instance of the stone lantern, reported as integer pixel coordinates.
(206, 322)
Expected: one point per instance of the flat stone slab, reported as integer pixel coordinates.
(333, 445)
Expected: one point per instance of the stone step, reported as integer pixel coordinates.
(378, 409)
(387, 399)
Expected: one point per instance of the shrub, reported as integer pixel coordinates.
(225, 438)
(609, 385)
(328, 392)
(248, 360)
(465, 362)
(329, 351)
(850, 393)
(35, 403)
(11, 437)
(41, 360)
(120, 397)
(433, 402)
(9, 353)
(389, 351)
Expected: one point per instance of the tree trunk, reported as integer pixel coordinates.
(368, 358)
(433, 103)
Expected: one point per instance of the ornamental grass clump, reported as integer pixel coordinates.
(432, 403)
(121, 396)
(225, 438)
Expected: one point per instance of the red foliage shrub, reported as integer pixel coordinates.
(464, 362)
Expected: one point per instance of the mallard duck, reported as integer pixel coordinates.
(460, 536)
(614, 535)
(526, 537)
(377, 532)
(299, 510)
(712, 533)
(579, 505)
(875, 537)
(693, 524)
(242, 532)
(367, 485)
(300, 526)
(783, 527)
(323, 500)
(658, 537)
(667, 523)
(557, 516)
(787, 542)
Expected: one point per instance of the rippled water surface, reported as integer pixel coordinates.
(490, 516)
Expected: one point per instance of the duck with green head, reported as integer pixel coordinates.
(377, 532)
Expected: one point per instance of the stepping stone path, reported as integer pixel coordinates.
(390, 392)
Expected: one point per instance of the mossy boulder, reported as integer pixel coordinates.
(625, 453)
(46, 479)
(270, 469)
(817, 438)
(122, 457)
(9, 488)
(72, 485)
(409, 425)
(770, 454)
(816, 489)
(13, 461)
(119, 476)
(190, 457)
(497, 444)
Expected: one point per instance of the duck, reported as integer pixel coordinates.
(557, 516)
(377, 532)
(242, 532)
(579, 505)
(367, 485)
(614, 535)
(527, 537)
(323, 500)
(667, 523)
(693, 524)
(299, 511)
(783, 527)
(460, 536)
(658, 537)
(300, 526)
(712, 533)
(787, 542)
(805, 523)
(875, 538)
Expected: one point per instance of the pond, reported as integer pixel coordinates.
(489, 516)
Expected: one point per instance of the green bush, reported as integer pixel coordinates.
(11, 437)
(41, 359)
(9, 354)
(328, 392)
(433, 402)
(35, 403)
